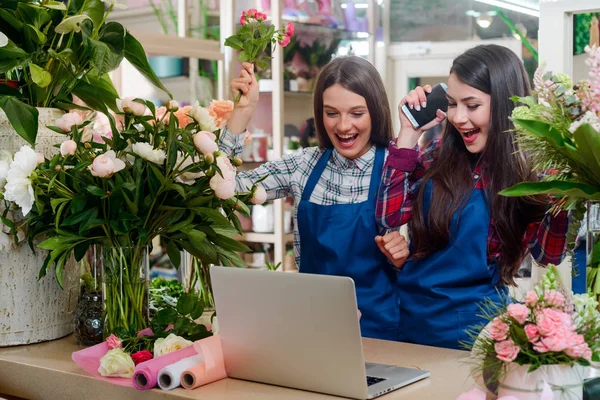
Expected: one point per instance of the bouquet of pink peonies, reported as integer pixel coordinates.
(552, 327)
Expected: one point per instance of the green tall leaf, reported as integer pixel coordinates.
(588, 145)
(134, 53)
(107, 52)
(22, 117)
(557, 188)
(542, 130)
(97, 93)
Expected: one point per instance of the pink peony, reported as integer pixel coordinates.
(113, 342)
(182, 116)
(161, 116)
(130, 106)
(221, 111)
(223, 185)
(554, 298)
(141, 356)
(106, 164)
(204, 142)
(532, 332)
(67, 121)
(518, 312)
(68, 148)
(506, 350)
(531, 299)
(498, 330)
(259, 196)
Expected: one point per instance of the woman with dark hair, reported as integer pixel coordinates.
(335, 185)
(467, 241)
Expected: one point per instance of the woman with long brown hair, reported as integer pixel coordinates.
(467, 241)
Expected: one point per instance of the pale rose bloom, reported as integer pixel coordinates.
(113, 342)
(116, 363)
(68, 147)
(18, 186)
(506, 350)
(578, 348)
(66, 122)
(147, 152)
(518, 312)
(226, 168)
(105, 165)
(531, 299)
(498, 330)
(169, 344)
(100, 129)
(259, 196)
(532, 332)
(202, 116)
(205, 142)
(549, 320)
(224, 189)
(220, 110)
(554, 298)
(182, 116)
(162, 115)
(129, 106)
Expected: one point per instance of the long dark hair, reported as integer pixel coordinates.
(361, 77)
(497, 71)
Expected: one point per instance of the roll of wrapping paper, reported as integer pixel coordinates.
(213, 368)
(169, 376)
(145, 375)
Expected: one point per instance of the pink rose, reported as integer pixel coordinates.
(531, 299)
(518, 312)
(289, 29)
(243, 20)
(220, 110)
(106, 164)
(540, 347)
(67, 121)
(284, 41)
(259, 196)
(204, 142)
(260, 16)
(113, 342)
(506, 350)
(554, 298)
(251, 12)
(141, 356)
(498, 330)
(68, 148)
(549, 320)
(559, 339)
(532, 332)
(578, 348)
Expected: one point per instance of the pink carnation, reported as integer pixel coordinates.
(518, 312)
(506, 350)
(554, 298)
(531, 299)
(498, 330)
(113, 342)
(532, 332)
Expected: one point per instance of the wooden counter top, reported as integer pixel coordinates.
(46, 371)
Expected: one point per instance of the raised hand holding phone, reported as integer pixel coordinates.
(424, 114)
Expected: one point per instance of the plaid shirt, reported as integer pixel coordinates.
(343, 181)
(402, 175)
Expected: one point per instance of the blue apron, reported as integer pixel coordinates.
(339, 239)
(439, 295)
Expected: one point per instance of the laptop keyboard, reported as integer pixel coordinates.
(371, 380)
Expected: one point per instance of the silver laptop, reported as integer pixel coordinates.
(299, 331)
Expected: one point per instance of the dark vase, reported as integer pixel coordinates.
(87, 319)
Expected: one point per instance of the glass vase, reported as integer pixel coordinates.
(87, 317)
(195, 278)
(125, 278)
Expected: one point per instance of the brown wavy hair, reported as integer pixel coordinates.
(497, 71)
(361, 77)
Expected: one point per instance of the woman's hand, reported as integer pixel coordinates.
(395, 248)
(415, 99)
(247, 85)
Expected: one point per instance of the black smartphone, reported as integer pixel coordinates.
(436, 100)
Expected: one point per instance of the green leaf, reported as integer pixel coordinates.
(80, 250)
(231, 258)
(195, 236)
(234, 42)
(41, 77)
(108, 51)
(230, 244)
(181, 225)
(11, 19)
(243, 56)
(79, 217)
(158, 174)
(587, 140)
(185, 304)
(135, 54)
(542, 130)
(92, 8)
(37, 36)
(56, 202)
(174, 253)
(166, 316)
(22, 117)
(98, 93)
(96, 191)
(557, 188)
(197, 311)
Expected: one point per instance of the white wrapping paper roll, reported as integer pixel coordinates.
(169, 376)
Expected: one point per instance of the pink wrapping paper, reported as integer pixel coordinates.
(213, 368)
(89, 360)
(145, 375)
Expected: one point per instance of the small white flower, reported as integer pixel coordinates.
(18, 185)
(3, 39)
(116, 363)
(170, 344)
(68, 148)
(202, 116)
(71, 24)
(146, 151)
(115, 4)
(5, 160)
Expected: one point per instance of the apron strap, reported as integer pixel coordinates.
(315, 175)
(376, 173)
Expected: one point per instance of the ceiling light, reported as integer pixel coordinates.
(484, 21)
(528, 9)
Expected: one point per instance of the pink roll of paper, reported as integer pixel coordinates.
(213, 368)
(169, 377)
(145, 375)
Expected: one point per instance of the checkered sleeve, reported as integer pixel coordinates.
(547, 239)
(401, 178)
(230, 143)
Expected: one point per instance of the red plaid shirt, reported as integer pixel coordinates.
(402, 175)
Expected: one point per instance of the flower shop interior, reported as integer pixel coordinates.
(116, 200)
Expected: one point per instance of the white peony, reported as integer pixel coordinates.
(147, 152)
(202, 116)
(105, 165)
(259, 196)
(188, 178)
(170, 344)
(129, 106)
(5, 160)
(116, 363)
(18, 185)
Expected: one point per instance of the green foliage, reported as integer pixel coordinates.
(54, 63)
